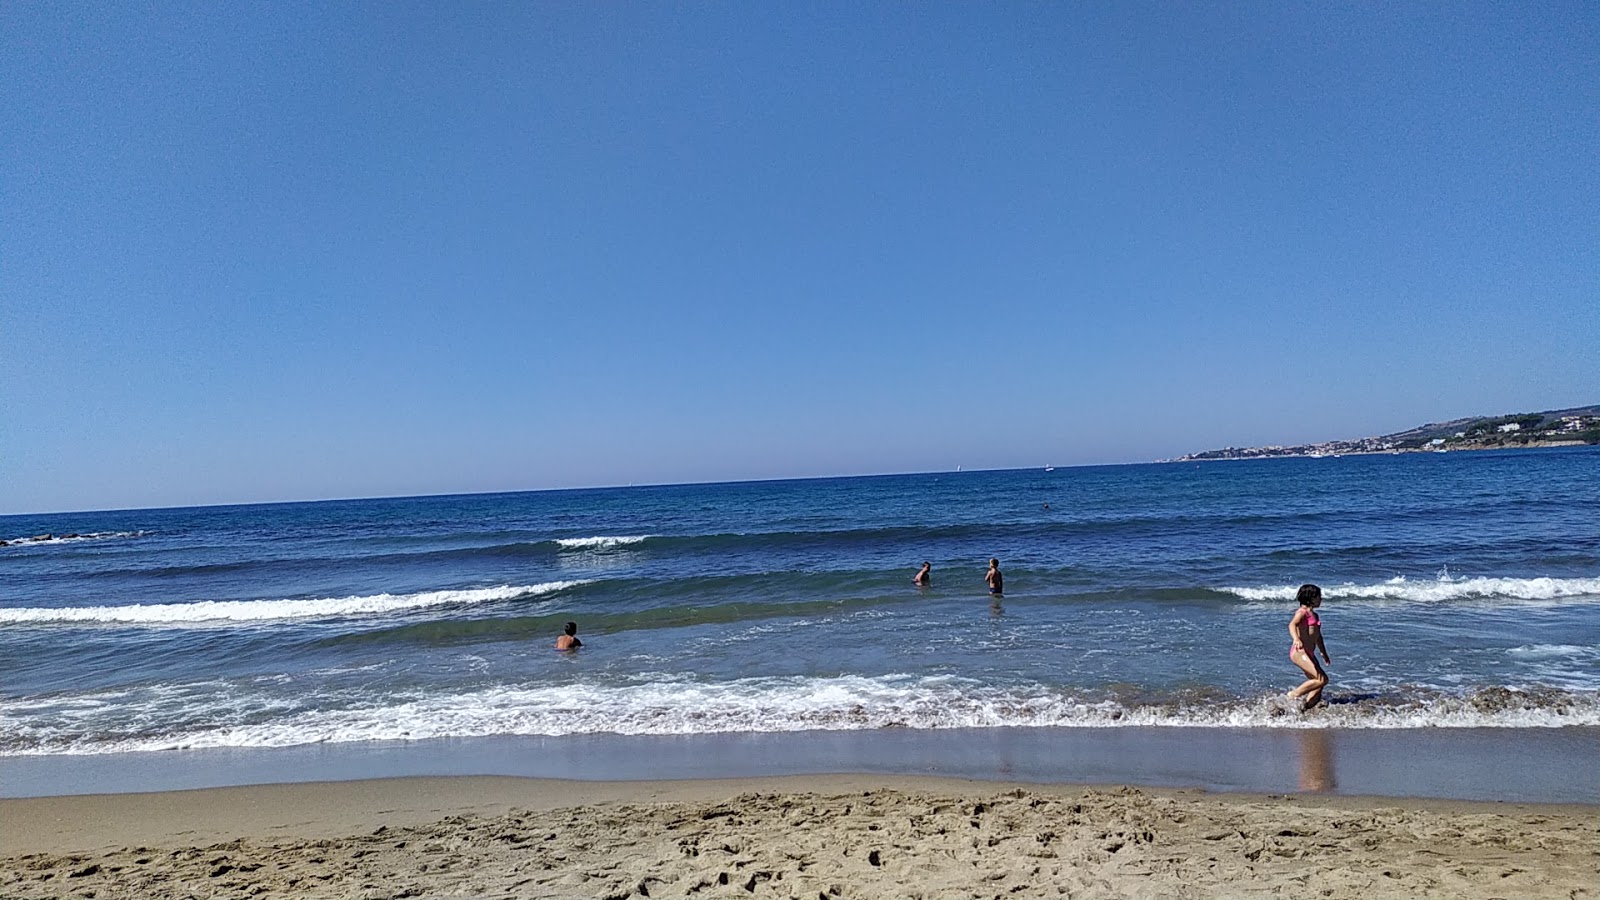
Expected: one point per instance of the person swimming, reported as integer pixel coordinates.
(924, 576)
(1305, 636)
(569, 638)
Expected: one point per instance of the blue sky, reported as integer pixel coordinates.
(279, 251)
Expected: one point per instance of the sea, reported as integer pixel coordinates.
(1462, 591)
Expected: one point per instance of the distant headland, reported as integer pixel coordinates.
(1553, 428)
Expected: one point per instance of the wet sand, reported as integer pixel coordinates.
(823, 837)
(1531, 765)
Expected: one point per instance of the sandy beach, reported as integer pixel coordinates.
(807, 837)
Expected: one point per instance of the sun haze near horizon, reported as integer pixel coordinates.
(287, 251)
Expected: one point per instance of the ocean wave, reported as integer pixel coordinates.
(600, 543)
(1556, 651)
(1401, 589)
(70, 538)
(528, 549)
(269, 610)
(456, 631)
(773, 704)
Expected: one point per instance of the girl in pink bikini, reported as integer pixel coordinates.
(1305, 630)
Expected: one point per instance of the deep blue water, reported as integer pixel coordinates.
(1461, 591)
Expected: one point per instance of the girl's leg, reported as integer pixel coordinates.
(1314, 696)
(1309, 666)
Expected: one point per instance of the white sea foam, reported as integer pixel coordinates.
(1570, 666)
(38, 539)
(685, 706)
(268, 610)
(600, 543)
(1404, 590)
(1556, 651)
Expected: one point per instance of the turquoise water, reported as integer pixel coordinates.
(1461, 591)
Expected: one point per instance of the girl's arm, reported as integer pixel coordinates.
(1323, 647)
(1294, 625)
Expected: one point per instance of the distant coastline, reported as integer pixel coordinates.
(1552, 428)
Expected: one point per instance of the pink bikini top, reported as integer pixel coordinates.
(1311, 618)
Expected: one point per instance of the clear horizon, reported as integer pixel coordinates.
(288, 251)
(579, 487)
(649, 484)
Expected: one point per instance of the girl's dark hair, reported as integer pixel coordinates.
(1309, 594)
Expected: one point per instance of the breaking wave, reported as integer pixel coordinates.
(599, 543)
(1441, 590)
(83, 725)
(71, 538)
(270, 610)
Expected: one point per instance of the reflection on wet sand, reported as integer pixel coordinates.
(1316, 761)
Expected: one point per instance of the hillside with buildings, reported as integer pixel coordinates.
(1554, 428)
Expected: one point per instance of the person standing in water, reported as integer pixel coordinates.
(924, 576)
(569, 638)
(994, 579)
(1305, 633)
